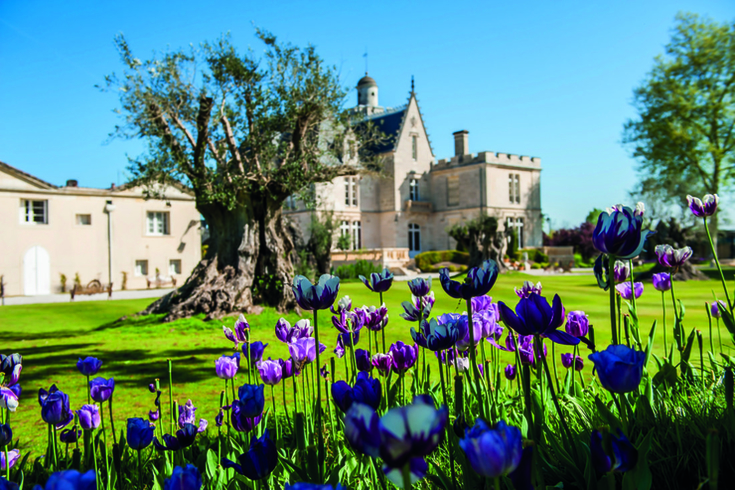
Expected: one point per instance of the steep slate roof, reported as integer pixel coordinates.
(390, 123)
(25, 176)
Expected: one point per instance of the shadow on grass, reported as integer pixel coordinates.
(18, 336)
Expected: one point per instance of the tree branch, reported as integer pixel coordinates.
(205, 109)
(230, 139)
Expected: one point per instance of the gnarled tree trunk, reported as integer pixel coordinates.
(248, 260)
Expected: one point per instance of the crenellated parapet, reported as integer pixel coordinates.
(492, 157)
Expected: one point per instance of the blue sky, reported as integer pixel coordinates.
(546, 79)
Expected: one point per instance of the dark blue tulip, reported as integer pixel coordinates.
(619, 368)
(418, 467)
(313, 486)
(241, 423)
(534, 316)
(69, 436)
(70, 480)
(442, 333)
(101, 389)
(411, 431)
(342, 395)
(492, 452)
(349, 339)
(139, 433)
(9, 485)
(479, 281)
(186, 478)
(55, 409)
(260, 460)
(611, 452)
(619, 232)
(251, 400)
(220, 418)
(521, 476)
(170, 443)
(152, 388)
(420, 286)
(701, 208)
(319, 296)
(367, 390)
(184, 438)
(256, 351)
(379, 282)
(362, 357)
(89, 366)
(362, 429)
(601, 270)
(6, 435)
(8, 364)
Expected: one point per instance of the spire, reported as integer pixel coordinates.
(412, 87)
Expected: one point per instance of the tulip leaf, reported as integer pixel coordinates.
(589, 472)
(607, 415)
(640, 477)
(649, 346)
(212, 463)
(728, 320)
(666, 375)
(687, 352)
(291, 467)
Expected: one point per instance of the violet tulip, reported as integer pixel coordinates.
(701, 208)
(661, 281)
(626, 292)
(89, 366)
(89, 417)
(270, 372)
(101, 389)
(671, 257)
(226, 367)
(534, 316)
(240, 335)
(404, 356)
(619, 232)
(716, 308)
(527, 289)
(383, 362)
(510, 372)
(567, 360)
(578, 325)
(479, 281)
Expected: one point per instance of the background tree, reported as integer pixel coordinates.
(481, 238)
(243, 132)
(580, 238)
(684, 137)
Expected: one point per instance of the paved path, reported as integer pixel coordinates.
(65, 298)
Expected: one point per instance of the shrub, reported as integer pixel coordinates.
(426, 260)
(359, 268)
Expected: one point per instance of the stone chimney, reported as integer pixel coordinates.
(461, 143)
(72, 183)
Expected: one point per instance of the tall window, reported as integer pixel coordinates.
(344, 228)
(157, 223)
(453, 190)
(414, 237)
(514, 188)
(413, 190)
(414, 147)
(356, 235)
(34, 212)
(517, 225)
(350, 191)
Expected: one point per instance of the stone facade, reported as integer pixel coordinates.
(416, 198)
(96, 233)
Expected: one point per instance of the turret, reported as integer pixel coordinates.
(367, 92)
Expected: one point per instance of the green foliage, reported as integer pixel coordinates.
(62, 279)
(77, 280)
(593, 216)
(302, 267)
(426, 260)
(513, 245)
(683, 137)
(480, 238)
(321, 239)
(344, 242)
(359, 268)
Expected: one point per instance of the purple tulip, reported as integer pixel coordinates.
(152, 388)
(624, 290)
(375, 319)
(492, 452)
(303, 352)
(362, 357)
(619, 368)
(89, 417)
(534, 316)
(566, 361)
(716, 308)
(661, 281)
(510, 372)
(347, 322)
(287, 334)
(89, 366)
(240, 335)
(383, 362)
(8, 398)
(479, 281)
(404, 356)
(526, 350)
(618, 455)
(154, 415)
(621, 271)
(270, 372)
(704, 207)
(366, 390)
(260, 460)
(286, 368)
(668, 256)
(379, 282)
(619, 232)
(319, 296)
(411, 308)
(578, 325)
(226, 367)
(527, 289)
(220, 418)
(256, 351)
(339, 349)
(187, 415)
(69, 436)
(101, 389)
(420, 286)
(13, 456)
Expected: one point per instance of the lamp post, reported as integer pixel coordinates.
(109, 208)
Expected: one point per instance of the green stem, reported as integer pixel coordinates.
(140, 470)
(719, 267)
(278, 433)
(611, 287)
(446, 429)
(112, 421)
(567, 433)
(574, 365)
(663, 307)
(476, 378)
(709, 319)
(89, 395)
(719, 334)
(171, 395)
(382, 330)
(406, 476)
(553, 363)
(320, 445)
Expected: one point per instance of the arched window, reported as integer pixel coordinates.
(414, 238)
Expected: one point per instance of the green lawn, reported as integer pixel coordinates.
(52, 337)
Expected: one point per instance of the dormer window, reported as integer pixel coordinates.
(413, 189)
(414, 147)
